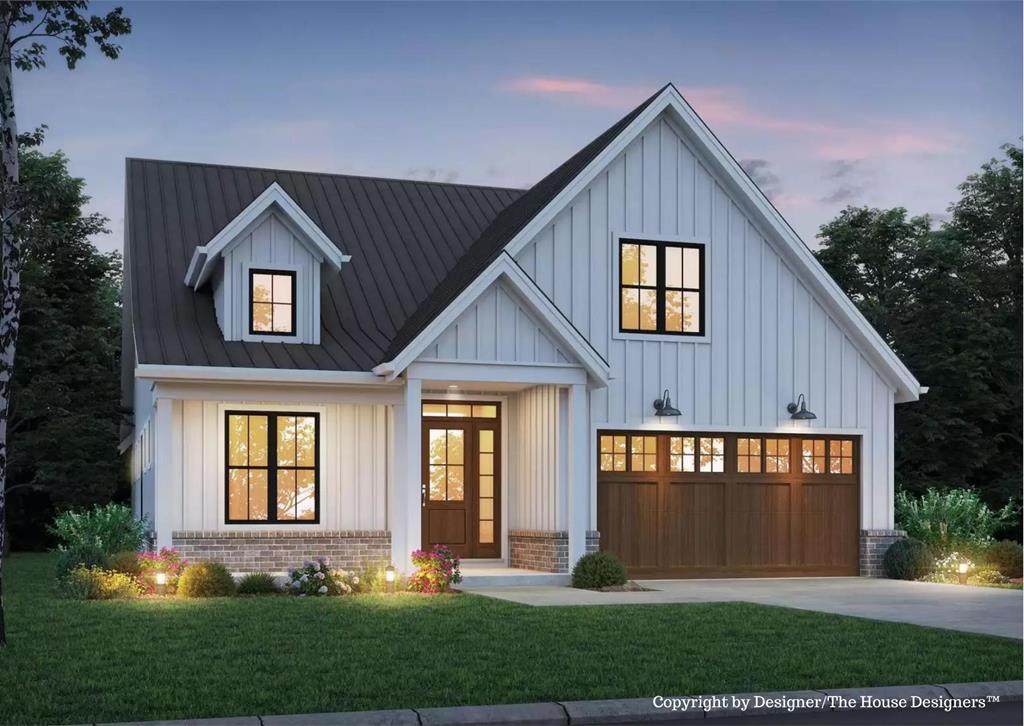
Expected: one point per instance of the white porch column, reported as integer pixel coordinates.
(167, 489)
(404, 517)
(579, 472)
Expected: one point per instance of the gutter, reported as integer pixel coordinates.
(228, 374)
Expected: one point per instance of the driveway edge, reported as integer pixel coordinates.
(641, 710)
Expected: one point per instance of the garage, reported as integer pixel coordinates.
(729, 505)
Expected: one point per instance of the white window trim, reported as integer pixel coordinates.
(325, 497)
(298, 294)
(613, 297)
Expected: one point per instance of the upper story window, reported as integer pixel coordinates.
(272, 302)
(661, 289)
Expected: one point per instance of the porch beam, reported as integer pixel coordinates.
(477, 372)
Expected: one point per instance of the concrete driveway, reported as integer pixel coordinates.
(987, 610)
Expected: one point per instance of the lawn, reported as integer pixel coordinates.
(72, 662)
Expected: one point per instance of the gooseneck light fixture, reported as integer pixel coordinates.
(663, 406)
(798, 411)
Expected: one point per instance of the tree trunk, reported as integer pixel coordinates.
(10, 304)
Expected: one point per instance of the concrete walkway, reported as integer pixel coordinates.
(987, 610)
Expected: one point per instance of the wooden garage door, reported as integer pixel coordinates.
(729, 505)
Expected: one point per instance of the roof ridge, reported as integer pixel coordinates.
(324, 173)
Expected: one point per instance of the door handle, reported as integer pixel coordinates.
(423, 495)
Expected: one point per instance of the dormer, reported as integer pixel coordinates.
(265, 271)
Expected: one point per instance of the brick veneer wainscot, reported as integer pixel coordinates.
(873, 545)
(544, 550)
(279, 550)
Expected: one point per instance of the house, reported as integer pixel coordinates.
(636, 354)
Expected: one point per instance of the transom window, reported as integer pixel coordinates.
(272, 296)
(461, 410)
(272, 467)
(661, 287)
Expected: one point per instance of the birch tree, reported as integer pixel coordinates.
(28, 31)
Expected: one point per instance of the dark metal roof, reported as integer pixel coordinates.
(415, 247)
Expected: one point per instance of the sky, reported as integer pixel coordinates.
(825, 104)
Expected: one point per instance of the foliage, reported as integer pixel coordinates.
(111, 527)
(95, 583)
(907, 559)
(955, 519)
(948, 300)
(168, 561)
(205, 579)
(87, 553)
(65, 407)
(947, 569)
(258, 583)
(437, 569)
(373, 578)
(126, 562)
(989, 576)
(1007, 557)
(132, 661)
(316, 578)
(598, 569)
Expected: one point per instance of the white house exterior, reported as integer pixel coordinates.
(361, 367)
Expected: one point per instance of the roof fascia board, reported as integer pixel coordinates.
(903, 381)
(504, 267)
(272, 211)
(273, 195)
(156, 372)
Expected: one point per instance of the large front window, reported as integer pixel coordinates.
(272, 296)
(661, 287)
(273, 467)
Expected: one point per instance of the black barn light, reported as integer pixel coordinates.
(798, 410)
(663, 406)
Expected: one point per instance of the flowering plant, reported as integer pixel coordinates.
(947, 569)
(316, 578)
(167, 560)
(437, 569)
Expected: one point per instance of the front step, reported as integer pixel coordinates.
(486, 574)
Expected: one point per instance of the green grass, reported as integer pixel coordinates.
(72, 662)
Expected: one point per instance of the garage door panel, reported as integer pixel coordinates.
(693, 525)
(829, 524)
(630, 519)
(759, 524)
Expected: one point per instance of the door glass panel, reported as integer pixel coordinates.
(455, 446)
(456, 483)
(486, 532)
(486, 482)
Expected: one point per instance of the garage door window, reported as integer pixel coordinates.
(613, 453)
(712, 454)
(776, 456)
(840, 456)
(682, 453)
(813, 456)
(644, 451)
(748, 456)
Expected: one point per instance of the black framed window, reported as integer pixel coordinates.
(661, 287)
(272, 467)
(272, 302)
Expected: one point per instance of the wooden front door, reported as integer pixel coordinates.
(729, 505)
(461, 485)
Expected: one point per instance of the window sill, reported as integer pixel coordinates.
(661, 337)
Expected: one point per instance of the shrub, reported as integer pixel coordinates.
(205, 579)
(989, 576)
(1007, 557)
(258, 583)
(955, 519)
(316, 578)
(86, 554)
(111, 527)
(907, 559)
(373, 578)
(126, 562)
(597, 570)
(437, 569)
(168, 561)
(95, 583)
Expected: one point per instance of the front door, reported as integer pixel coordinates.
(461, 485)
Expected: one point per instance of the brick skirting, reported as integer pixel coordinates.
(544, 550)
(278, 551)
(593, 541)
(873, 545)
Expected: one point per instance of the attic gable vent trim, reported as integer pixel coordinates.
(204, 257)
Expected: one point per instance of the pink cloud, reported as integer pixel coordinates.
(726, 107)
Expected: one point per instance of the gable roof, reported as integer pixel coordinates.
(404, 237)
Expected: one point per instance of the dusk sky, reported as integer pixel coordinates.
(827, 104)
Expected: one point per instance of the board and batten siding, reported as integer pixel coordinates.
(536, 433)
(497, 327)
(271, 244)
(768, 339)
(353, 465)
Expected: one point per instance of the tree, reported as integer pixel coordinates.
(25, 30)
(65, 397)
(949, 303)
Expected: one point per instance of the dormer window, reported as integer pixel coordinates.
(272, 296)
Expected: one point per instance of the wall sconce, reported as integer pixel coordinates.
(389, 577)
(663, 406)
(961, 572)
(161, 582)
(798, 411)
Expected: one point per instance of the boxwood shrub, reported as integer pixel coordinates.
(908, 559)
(1007, 557)
(597, 570)
(206, 579)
